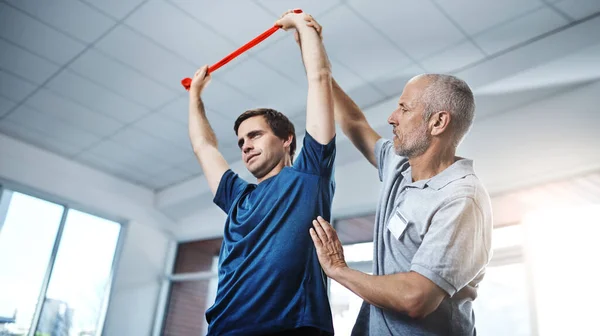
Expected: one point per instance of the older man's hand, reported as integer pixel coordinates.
(329, 248)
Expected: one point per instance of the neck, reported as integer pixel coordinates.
(431, 163)
(276, 169)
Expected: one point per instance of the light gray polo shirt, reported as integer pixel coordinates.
(440, 228)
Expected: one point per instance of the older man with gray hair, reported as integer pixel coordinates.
(432, 239)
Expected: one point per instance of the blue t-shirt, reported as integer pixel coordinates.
(269, 276)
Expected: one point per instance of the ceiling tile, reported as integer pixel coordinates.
(123, 79)
(365, 96)
(115, 8)
(353, 48)
(453, 58)
(191, 166)
(488, 12)
(52, 127)
(240, 23)
(267, 87)
(225, 98)
(112, 167)
(73, 113)
(166, 128)
(222, 126)
(25, 64)
(82, 90)
(579, 9)
(143, 54)
(151, 145)
(167, 178)
(72, 17)
(6, 105)
(14, 88)
(127, 157)
(519, 30)
(36, 36)
(313, 7)
(345, 77)
(432, 30)
(393, 83)
(284, 56)
(38, 139)
(171, 32)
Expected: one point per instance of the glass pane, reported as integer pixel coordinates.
(507, 236)
(358, 252)
(502, 306)
(188, 302)
(344, 307)
(27, 237)
(78, 286)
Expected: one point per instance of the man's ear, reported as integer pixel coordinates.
(439, 122)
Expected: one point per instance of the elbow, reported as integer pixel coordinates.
(320, 76)
(416, 305)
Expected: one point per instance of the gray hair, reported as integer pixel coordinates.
(449, 93)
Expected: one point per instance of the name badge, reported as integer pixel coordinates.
(397, 224)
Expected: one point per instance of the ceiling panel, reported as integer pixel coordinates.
(36, 37)
(313, 7)
(6, 105)
(267, 87)
(393, 18)
(152, 145)
(364, 49)
(127, 157)
(284, 56)
(489, 12)
(112, 74)
(225, 98)
(52, 127)
(39, 139)
(25, 64)
(97, 98)
(166, 128)
(579, 9)
(73, 113)
(113, 167)
(454, 58)
(166, 178)
(72, 17)
(223, 126)
(14, 87)
(393, 83)
(227, 18)
(115, 8)
(179, 32)
(144, 55)
(519, 30)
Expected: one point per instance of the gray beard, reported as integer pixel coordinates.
(417, 146)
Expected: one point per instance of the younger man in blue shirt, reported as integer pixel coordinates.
(270, 280)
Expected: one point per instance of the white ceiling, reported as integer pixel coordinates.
(99, 81)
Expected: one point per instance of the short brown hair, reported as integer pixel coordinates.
(281, 126)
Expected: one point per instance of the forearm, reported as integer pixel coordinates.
(200, 132)
(313, 53)
(391, 292)
(347, 114)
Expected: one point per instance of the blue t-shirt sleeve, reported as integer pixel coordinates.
(315, 158)
(230, 186)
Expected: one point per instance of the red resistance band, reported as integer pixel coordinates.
(187, 82)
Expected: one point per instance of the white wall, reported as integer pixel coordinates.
(136, 288)
(146, 232)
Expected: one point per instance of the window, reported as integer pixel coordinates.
(191, 287)
(55, 267)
